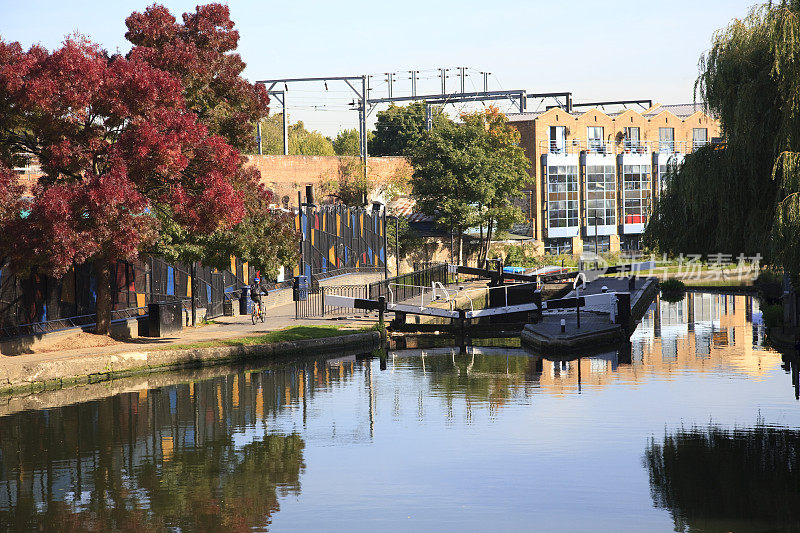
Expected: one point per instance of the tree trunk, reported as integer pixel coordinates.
(481, 258)
(489, 231)
(102, 271)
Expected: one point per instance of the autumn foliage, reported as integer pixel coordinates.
(132, 148)
(200, 52)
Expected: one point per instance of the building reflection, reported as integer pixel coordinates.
(714, 479)
(702, 333)
(202, 455)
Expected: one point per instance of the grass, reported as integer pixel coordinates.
(292, 333)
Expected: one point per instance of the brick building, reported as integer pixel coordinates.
(595, 175)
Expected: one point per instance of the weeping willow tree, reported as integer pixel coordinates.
(743, 196)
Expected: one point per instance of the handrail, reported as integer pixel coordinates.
(576, 146)
(61, 324)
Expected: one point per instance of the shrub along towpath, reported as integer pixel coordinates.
(228, 339)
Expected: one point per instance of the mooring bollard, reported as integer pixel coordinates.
(578, 311)
(381, 308)
(563, 325)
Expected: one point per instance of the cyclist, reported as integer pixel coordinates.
(255, 295)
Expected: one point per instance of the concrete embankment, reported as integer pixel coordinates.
(55, 373)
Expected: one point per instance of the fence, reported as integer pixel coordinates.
(336, 238)
(316, 278)
(59, 324)
(38, 304)
(315, 305)
(410, 285)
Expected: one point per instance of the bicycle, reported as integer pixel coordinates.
(258, 313)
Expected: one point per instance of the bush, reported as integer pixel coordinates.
(770, 284)
(515, 256)
(672, 290)
(773, 315)
(672, 285)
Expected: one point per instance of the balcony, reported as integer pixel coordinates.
(579, 146)
(576, 146)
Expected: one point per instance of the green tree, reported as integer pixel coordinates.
(272, 134)
(304, 142)
(743, 196)
(346, 143)
(411, 243)
(466, 175)
(301, 140)
(399, 128)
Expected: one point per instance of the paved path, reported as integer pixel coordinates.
(225, 327)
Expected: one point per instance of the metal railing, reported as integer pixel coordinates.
(314, 305)
(60, 324)
(624, 146)
(316, 277)
(436, 292)
(408, 284)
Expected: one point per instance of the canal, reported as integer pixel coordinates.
(695, 426)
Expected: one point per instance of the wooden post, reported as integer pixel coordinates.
(381, 309)
(578, 311)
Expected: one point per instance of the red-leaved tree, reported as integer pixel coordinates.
(201, 52)
(121, 156)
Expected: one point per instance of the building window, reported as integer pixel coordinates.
(636, 193)
(558, 246)
(699, 137)
(603, 244)
(558, 139)
(594, 134)
(632, 139)
(666, 140)
(562, 196)
(600, 198)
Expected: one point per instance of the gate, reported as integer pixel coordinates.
(315, 305)
(215, 306)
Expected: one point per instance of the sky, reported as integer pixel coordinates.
(611, 50)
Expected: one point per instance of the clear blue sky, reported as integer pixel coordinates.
(598, 50)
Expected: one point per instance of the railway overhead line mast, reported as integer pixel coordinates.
(365, 104)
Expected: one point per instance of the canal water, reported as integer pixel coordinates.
(694, 427)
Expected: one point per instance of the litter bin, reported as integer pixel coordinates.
(300, 288)
(164, 318)
(245, 303)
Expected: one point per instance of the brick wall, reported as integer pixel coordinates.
(287, 174)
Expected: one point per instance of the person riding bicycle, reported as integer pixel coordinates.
(256, 293)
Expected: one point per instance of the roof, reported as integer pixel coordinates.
(404, 207)
(679, 110)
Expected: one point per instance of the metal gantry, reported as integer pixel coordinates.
(366, 105)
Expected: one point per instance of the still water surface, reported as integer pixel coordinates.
(694, 428)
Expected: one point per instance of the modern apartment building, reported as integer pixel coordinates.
(594, 176)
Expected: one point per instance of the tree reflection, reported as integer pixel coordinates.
(727, 480)
(491, 378)
(193, 457)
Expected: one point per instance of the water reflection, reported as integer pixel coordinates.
(715, 479)
(195, 456)
(476, 437)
